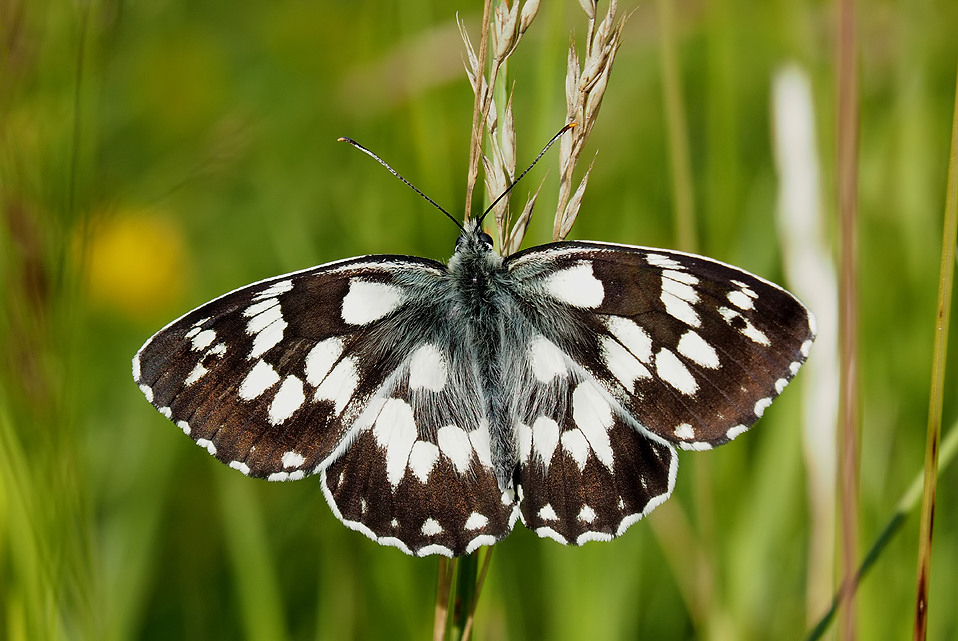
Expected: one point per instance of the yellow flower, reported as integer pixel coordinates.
(135, 263)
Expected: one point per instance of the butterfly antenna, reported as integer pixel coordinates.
(526, 171)
(399, 176)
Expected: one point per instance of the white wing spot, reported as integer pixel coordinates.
(806, 348)
(545, 438)
(634, 338)
(260, 378)
(576, 446)
(762, 405)
(671, 370)
(735, 431)
(278, 476)
(658, 260)
(480, 443)
(292, 458)
(183, 425)
(476, 521)
(546, 360)
(694, 347)
(755, 335)
(243, 468)
(396, 432)
(749, 330)
(288, 399)
(622, 363)
(745, 289)
(548, 532)
(682, 277)
(577, 286)
(394, 523)
(203, 340)
(794, 367)
(547, 513)
(208, 444)
(267, 338)
(422, 458)
(274, 290)
(479, 541)
(525, 441)
(369, 301)
(586, 514)
(166, 411)
(780, 385)
(685, 431)
(698, 446)
(262, 306)
(427, 368)
(264, 318)
(454, 443)
(593, 416)
(321, 359)
(680, 310)
(678, 298)
(340, 385)
(740, 299)
(431, 527)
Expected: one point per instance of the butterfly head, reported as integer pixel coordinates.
(474, 249)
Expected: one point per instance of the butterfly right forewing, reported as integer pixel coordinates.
(693, 349)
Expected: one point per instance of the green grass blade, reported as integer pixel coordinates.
(936, 397)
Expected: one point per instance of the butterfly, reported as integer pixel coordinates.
(440, 403)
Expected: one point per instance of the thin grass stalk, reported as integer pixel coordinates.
(701, 577)
(585, 87)
(256, 583)
(949, 447)
(678, 140)
(467, 628)
(465, 595)
(478, 119)
(443, 589)
(936, 397)
(848, 296)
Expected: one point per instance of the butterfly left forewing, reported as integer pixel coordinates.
(268, 378)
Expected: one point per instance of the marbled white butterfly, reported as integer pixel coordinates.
(441, 403)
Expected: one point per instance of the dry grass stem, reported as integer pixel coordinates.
(585, 88)
(505, 26)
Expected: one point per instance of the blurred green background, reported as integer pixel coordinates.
(156, 154)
